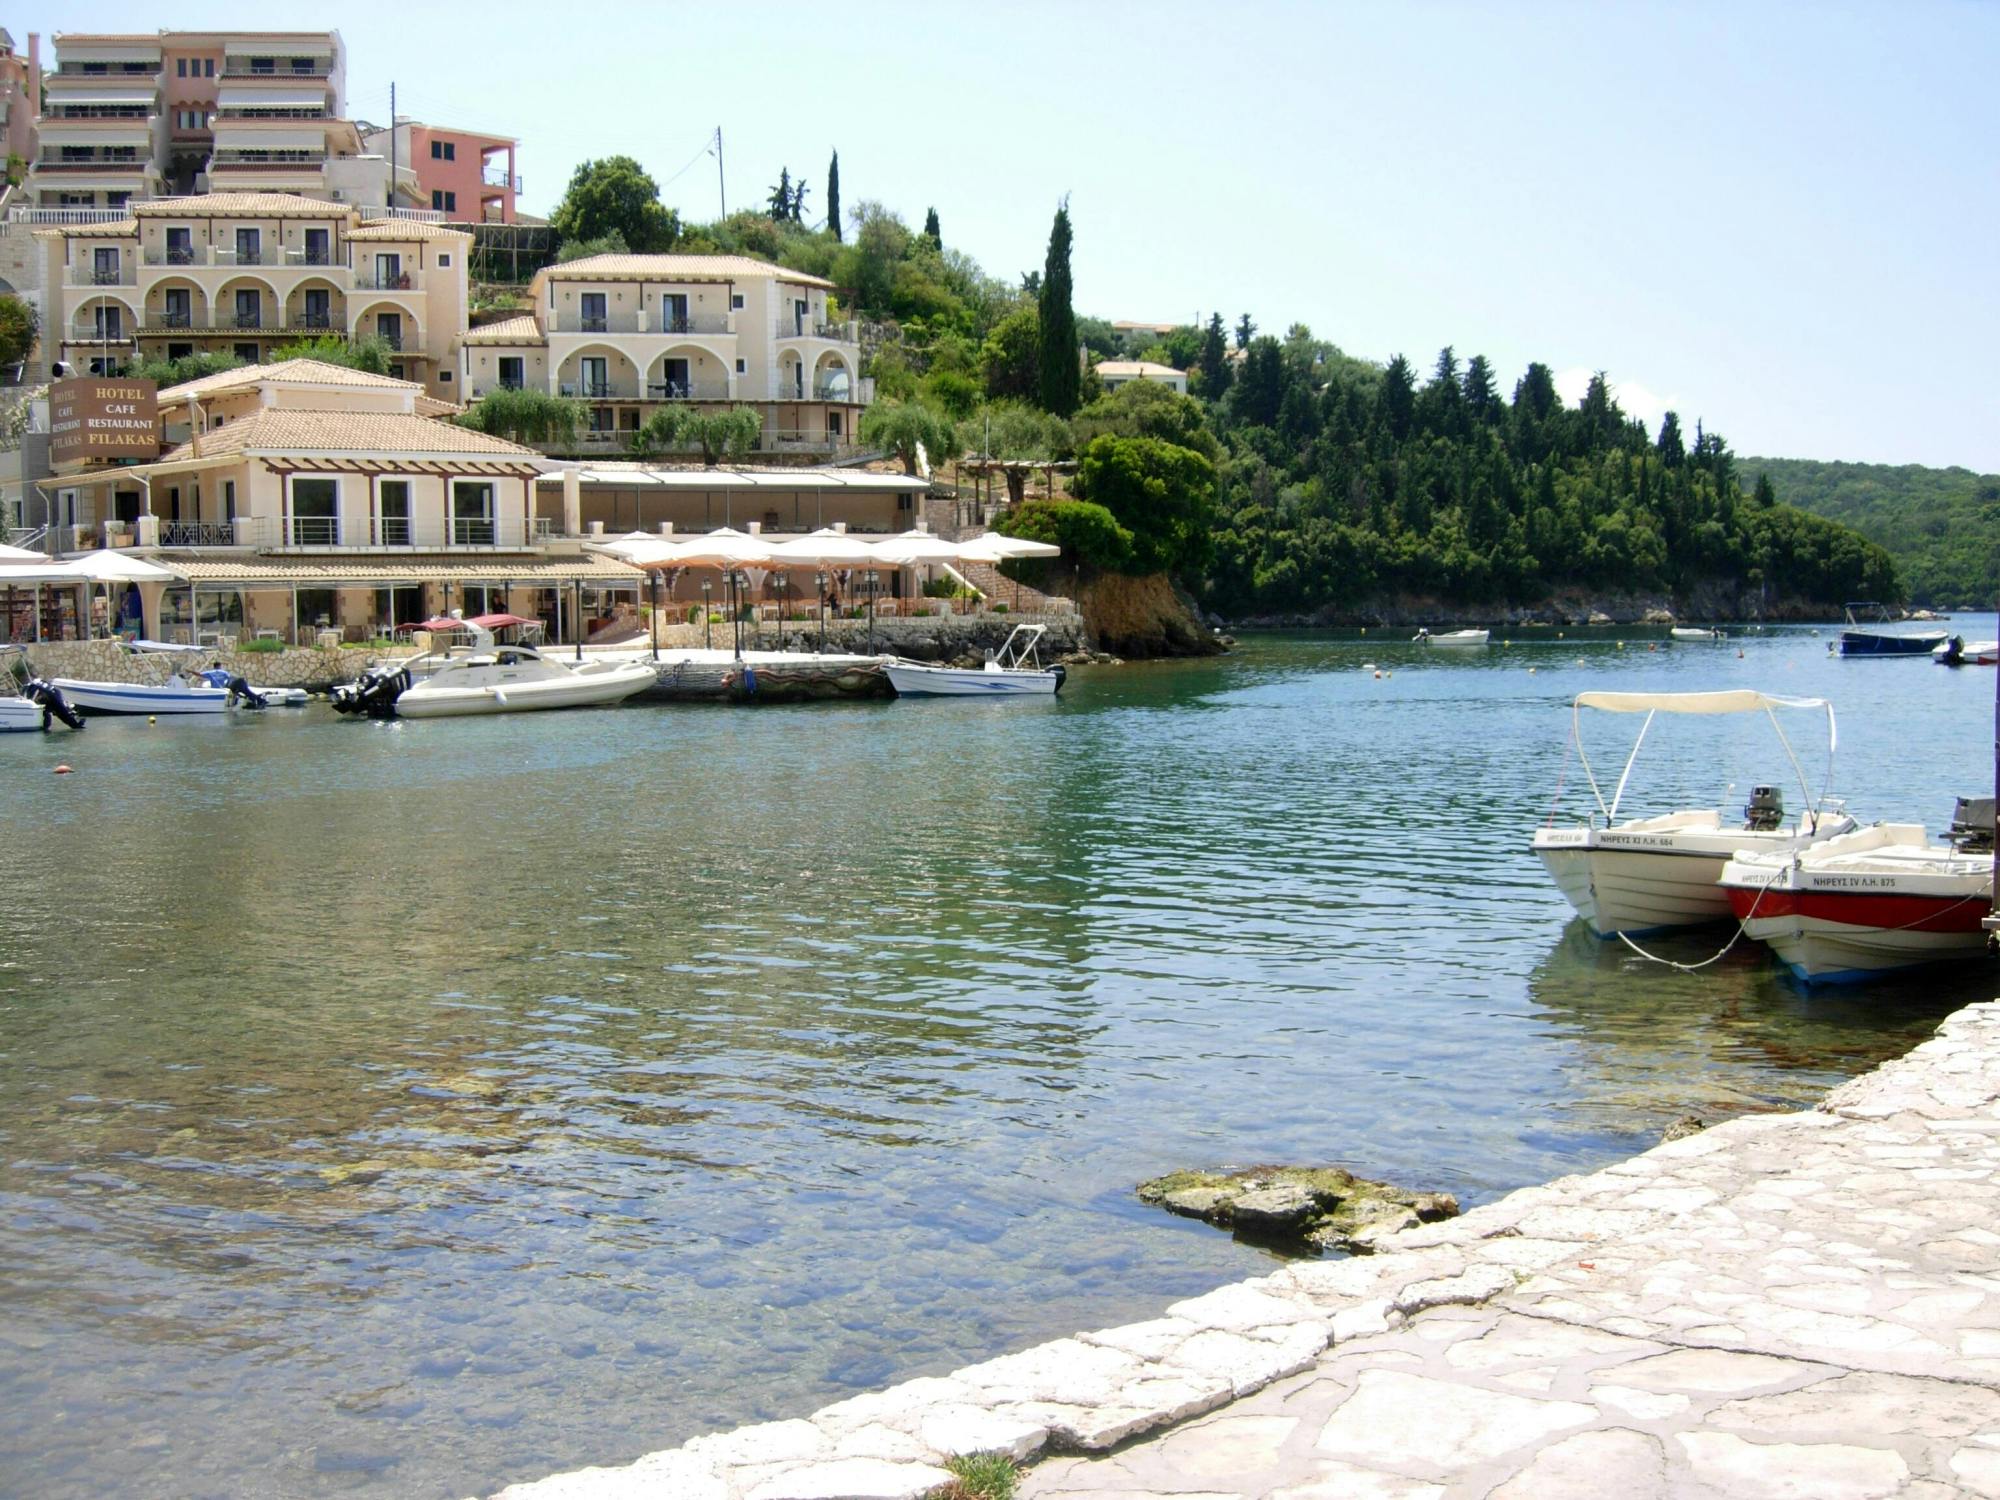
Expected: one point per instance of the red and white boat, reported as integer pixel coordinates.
(1873, 901)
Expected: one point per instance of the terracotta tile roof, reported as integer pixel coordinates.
(291, 371)
(406, 229)
(241, 205)
(278, 430)
(679, 268)
(521, 330)
(117, 228)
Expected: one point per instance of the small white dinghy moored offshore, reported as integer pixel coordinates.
(1423, 637)
(1014, 671)
(1650, 874)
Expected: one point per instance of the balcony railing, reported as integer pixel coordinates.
(393, 531)
(312, 319)
(24, 214)
(111, 164)
(315, 531)
(198, 534)
(288, 160)
(255, 67)
(490, 178)
(169, 318)
(685, 390)
(245, 320)
(598, 390)
(840, 333)
(370, 280)
(710, 323)
(229, 255)
(122, 274)
(393, 341)
(472, 531)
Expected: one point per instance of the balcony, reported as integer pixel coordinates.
(473, 531)
(392, 341)
(709, 323)
(489, 177)
(839, 333)
(314, 322)
(275, 67)
(684, 390)
(198, 534)
(388, 281)
(122, 274)
(599, 390)
(315, 531)
(113, 164)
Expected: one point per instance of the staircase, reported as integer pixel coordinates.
(1018, 597)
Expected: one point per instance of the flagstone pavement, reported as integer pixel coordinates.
(1803, 1305)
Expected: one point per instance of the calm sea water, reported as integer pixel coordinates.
(407, 1109)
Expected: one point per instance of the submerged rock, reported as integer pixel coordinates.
(1319, 1207)
(1686, 1125)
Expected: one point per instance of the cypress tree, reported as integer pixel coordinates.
(1215, 359)
(1062, 378)
(833, 195)
(931, 231)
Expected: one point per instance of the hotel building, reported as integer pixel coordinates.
(628, 333)
(243, 273)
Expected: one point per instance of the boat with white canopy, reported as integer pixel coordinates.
(1648, 874)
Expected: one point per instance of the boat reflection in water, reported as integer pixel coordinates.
(1652, 1044)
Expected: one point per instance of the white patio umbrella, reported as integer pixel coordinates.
(915, 549)
(107, 565)
(992, 547)
(20, 554)
(723, 548)
(829, 549)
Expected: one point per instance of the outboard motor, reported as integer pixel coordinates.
(1765, 811)
(374, 693)
(54, 704)
(1953, 654)
(1062, 675)
(240, 691)
(1972, 826)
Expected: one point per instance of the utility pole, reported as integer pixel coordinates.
(721, 192)
(391, 204)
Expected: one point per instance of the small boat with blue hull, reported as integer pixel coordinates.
(210, 692)
(1858, 640)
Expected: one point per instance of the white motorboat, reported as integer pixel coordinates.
(40, 705)
(1451, 637)
(1694, 633)
(483, 678)
(1649, 874)
(1014, 671)
(1873, 901)
(210, 692)
(1957, 651)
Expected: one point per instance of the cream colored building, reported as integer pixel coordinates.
(244, 273)
(306, 497)
(1117, 372)
(628, 333)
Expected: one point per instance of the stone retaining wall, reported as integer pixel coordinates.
(107, 661)
(1854, 1237)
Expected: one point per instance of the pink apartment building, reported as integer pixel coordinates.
(20, 94)
(467, 176)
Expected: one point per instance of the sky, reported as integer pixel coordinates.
(1777, 219)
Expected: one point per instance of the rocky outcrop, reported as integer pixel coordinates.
(1143, 617)
(1324, 1208)
(1704, 604)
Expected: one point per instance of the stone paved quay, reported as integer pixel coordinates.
(1803, 1305)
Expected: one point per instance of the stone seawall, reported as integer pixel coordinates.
(107, 661)
(1787, 1304)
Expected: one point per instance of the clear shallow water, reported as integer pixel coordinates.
(408, 1109)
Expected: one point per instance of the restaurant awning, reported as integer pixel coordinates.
(385, 572)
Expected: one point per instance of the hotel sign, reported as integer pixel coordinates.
(97, 417)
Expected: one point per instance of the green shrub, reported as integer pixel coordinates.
(260, 645)
(1089, 534)
(999, 609)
